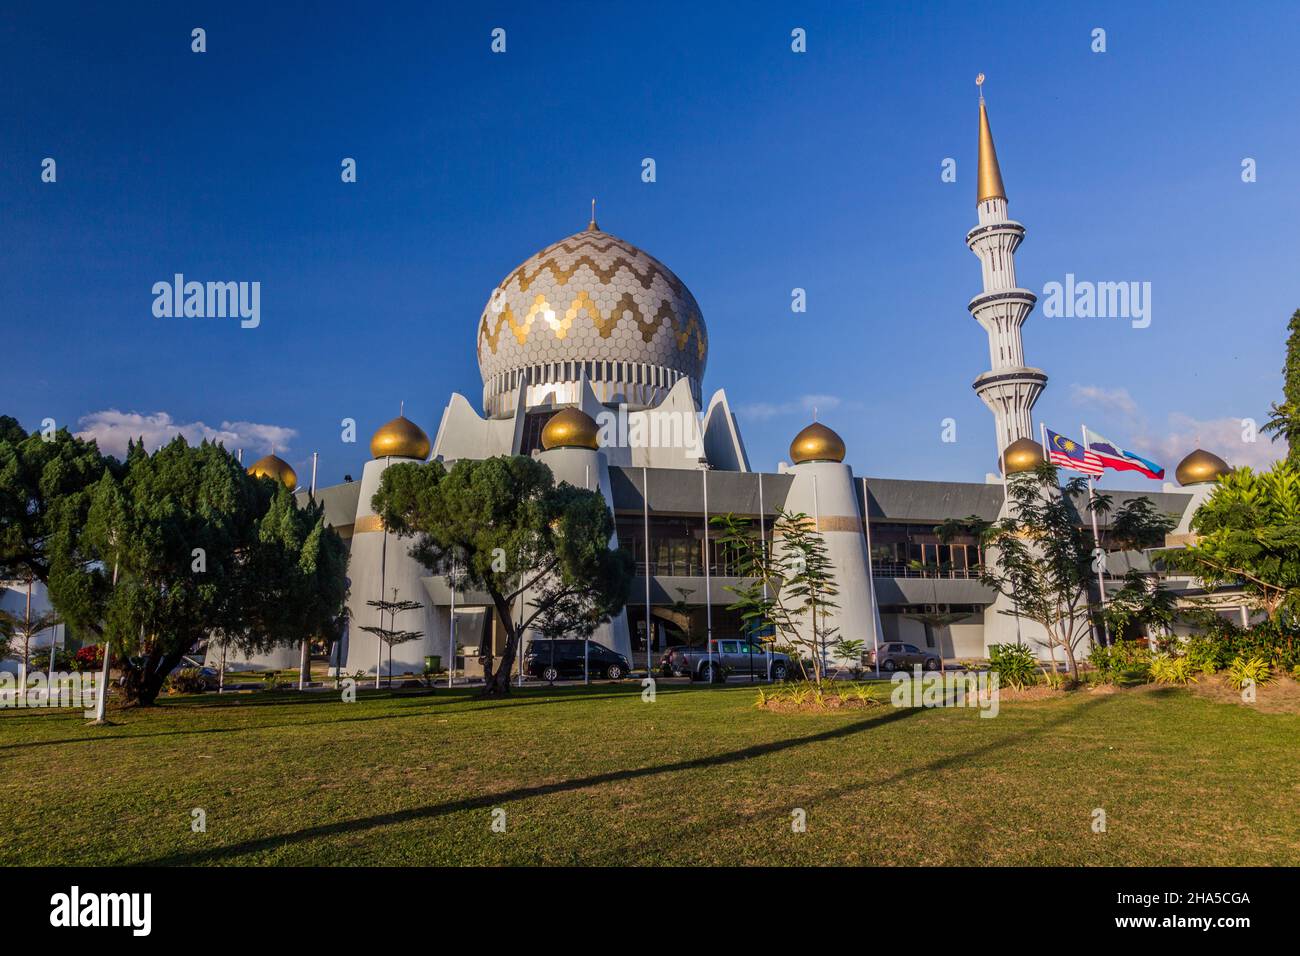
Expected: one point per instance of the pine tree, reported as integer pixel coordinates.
(1284, 420)
(392, 635)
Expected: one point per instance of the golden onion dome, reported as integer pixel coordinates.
(273, 466)
(570, 428)
(1201, 466)
(817, 443)
(1023, 454)
(400, 438)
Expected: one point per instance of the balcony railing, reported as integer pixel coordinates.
(880, 570)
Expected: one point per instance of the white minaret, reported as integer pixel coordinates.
(1010, 388)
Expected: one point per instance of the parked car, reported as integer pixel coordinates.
(729, 655)
(551, 660)
(895, 655)
(209, 675)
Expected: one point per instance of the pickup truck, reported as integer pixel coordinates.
(730, 656)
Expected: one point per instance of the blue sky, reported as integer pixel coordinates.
(775, 170)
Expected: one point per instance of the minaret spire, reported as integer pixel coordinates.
(990, 175)
(1010, 387)
(591, 226)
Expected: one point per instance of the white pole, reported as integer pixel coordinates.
(708, 598)
(383, 579)
(871, 576)
(645, 517)
(304, 660)
(820, 647)
(519, 649)
(101, 702)
(451, 641)
(762, 540)
(1096, 543)
(586, 644)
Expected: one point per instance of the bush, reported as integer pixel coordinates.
(1168, 669)
(1015, 664)
(1220, 640)
(1053, 678)
(1124, 662)
(89, 658)
(1255, 671)
(187, 681)
(1206, 655)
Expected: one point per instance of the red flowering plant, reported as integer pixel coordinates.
(89, 658)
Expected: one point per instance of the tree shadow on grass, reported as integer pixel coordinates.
(712, 826)
(217, 854)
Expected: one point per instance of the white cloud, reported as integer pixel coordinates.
(809, 404)
(1229, 438)
(112, 429)
(1116, 400)
(1226, 437)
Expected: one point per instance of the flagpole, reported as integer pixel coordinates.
(871, 575)
(1096, 538)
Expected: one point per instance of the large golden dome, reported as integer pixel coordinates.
(1201, 466)
(570, 428)
(400, 438)
(1023, 454)
(590, 307)
(816, 443)
(273, 466)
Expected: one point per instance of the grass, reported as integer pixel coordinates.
(595, 776)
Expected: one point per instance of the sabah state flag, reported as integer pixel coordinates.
(1112, 456)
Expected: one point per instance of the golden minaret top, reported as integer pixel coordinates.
(990, 176)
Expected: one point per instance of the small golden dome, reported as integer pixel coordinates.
(1023, 454)
(273, 466)
(570, 428)
(400, 438)
(816, 443)
(1201, 466)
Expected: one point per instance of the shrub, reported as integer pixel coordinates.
(1205, 655)
(1015, 664)
(1167, 669)
(88, 658)
(1255, 671)
(1222, 640)
(187, 681)
(1124, 662)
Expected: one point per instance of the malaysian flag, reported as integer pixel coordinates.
(1068, 453)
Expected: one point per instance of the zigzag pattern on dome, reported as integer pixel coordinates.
(604, 323)
(604, 273)
(590, 305)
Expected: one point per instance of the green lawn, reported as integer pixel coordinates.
(596, 776)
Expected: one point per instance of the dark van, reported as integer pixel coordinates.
(551, 660)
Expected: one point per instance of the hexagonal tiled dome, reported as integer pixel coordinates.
(590, 306)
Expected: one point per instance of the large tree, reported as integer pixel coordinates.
(185, 544)
(1043, 558)
(512, 532)
(293, 577)
(46, 479)
(1248, 536)
(1284, 420)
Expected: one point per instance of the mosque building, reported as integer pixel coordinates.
(592, 354)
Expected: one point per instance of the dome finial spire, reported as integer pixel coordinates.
(591, 226)
(990, 175)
